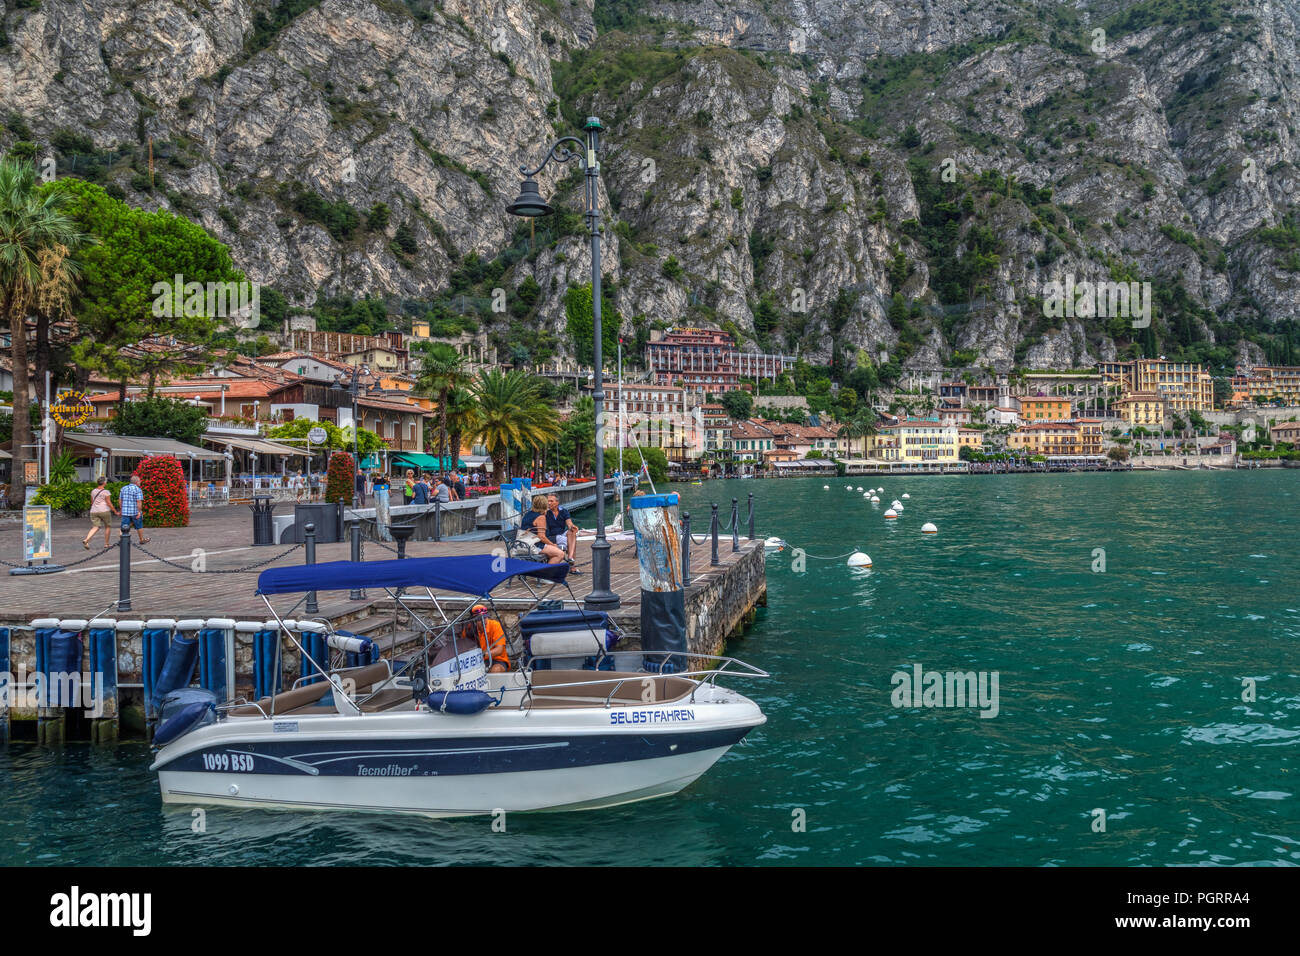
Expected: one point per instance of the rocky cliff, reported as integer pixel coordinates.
(893, 183)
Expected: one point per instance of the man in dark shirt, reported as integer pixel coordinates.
(458, 486)
(420, 494)
(560, 527)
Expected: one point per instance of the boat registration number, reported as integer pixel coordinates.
(242, 762)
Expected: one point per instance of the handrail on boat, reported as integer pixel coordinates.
(698, 677)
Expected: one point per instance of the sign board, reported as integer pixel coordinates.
(31, 471)
(37, 543)
(317, 435)
(71, 409)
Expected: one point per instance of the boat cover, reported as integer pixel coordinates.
(472, 574)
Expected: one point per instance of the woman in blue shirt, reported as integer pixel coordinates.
(532, 530)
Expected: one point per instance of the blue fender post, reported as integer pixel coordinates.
(663, 601)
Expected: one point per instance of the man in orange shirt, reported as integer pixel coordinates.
(491, 638)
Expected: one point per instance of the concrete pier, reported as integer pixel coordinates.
(202, 572)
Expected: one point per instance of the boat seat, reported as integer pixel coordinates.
(367, 676)
(285, 702)
(666, 688)
(386, 699)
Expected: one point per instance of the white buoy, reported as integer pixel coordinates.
(896, 505)
(773, 544)
(929, 528)
(906, 497)
(848, 487)
(859, 487)
(866, 494)
(859, 559)
(826, 487)
(891, 513)
(875, 500)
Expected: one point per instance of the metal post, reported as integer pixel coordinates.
(309, 539)
(713, 528)
(124, 571)
(751, 517)
(686, 548)
(355, 594)
(342, 509)
(437, 519)
(735, 525)
(601, 598)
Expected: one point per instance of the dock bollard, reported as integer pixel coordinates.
(355, 594)
(751, 517)
(124, 571)
(309, 546)
(735, 525)
(686, 548)
(713, 529)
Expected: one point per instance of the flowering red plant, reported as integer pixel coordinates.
(340, 481)
(166, 494)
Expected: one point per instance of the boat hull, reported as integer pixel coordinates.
(442, 765)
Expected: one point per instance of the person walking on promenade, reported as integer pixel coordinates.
(101, 506)
(131, 498)
(314, 485)
(296, 483)
(419, 491)
(408, 489)
(360, 483)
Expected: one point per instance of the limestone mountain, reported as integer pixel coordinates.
(895, 184)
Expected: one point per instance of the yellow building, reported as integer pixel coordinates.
(1040, 408)
(1090, 436)
(1267, 383)
(1046, 438)
(972, 438)
(1184, 386)
(1142, 408)
(924, 441)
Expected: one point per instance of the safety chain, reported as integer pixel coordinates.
(70, 564)
(243, 570)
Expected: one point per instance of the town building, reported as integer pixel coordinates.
(1041, 408)
(1147, 409)
(1288, 432)
(922, 440)
(707, 361)
(1184, 386)
(1266, 384)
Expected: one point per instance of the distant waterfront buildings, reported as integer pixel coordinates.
(706, 360)
(1183, 386)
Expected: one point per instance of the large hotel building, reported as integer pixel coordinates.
(705, 360)
(1183, 386)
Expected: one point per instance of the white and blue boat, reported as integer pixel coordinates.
(440, 735)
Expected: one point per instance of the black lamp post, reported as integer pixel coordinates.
(531, 205)
(354, 389)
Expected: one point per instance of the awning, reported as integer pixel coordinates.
(428, 462)
(132, 446)
(259, 446)
(472, 574)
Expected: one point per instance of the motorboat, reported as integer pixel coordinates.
(572, 726)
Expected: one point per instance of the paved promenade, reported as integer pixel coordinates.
(218, 540)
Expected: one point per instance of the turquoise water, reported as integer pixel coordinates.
(1119, 690)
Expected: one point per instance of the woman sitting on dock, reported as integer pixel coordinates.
(532, 530)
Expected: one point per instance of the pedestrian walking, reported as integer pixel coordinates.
(101, 506)
(314, 483)
(360, 484)
(420, 492)
(408, 488)
(131, 498)
(296, 483)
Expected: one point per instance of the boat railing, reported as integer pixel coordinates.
(698, 677)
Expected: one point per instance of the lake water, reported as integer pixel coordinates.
(1121, 675)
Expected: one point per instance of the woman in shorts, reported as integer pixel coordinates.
(101, 512)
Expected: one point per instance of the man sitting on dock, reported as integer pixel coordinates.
(560, 527)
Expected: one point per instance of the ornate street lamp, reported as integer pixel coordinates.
(531, 205)
(354, 389)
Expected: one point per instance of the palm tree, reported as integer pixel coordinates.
(461, 414)
(862, 425)
(36, 275)
(443, 370)
(510, 413)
